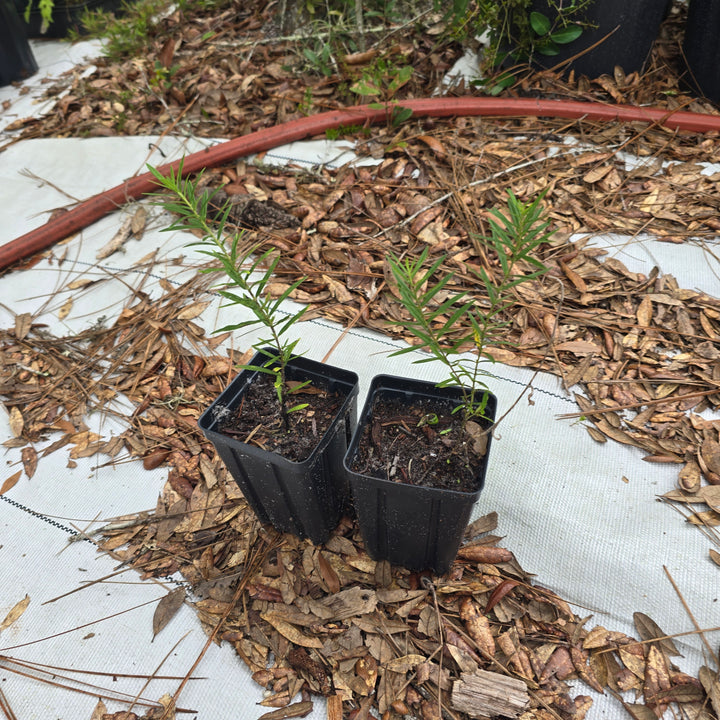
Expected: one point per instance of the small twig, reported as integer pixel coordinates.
(639, 404)
(699, 631)
(428, 585)
(5, 707)
(80, 627)
(153, 676)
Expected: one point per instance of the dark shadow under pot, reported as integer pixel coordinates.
(306, 498)
(416, 526)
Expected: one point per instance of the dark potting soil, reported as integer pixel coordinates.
(258, 420)
(397, 444)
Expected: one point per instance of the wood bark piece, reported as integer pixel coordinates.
(486, 694)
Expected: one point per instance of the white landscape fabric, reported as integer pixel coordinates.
(581, 516)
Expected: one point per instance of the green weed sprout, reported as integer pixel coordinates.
(514, 236)
(247, 273)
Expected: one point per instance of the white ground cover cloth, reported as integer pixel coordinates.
(582, 516)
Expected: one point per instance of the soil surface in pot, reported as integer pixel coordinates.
(257, 420)
(422, 443)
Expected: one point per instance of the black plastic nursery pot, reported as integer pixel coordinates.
(66, 16)
(16, 57)
(624, 29)
(701, 49)
(305, 498)
(419, 528)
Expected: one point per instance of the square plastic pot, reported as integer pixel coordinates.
(624, 29)
(419, 528)
(305, 498)
(700, 48)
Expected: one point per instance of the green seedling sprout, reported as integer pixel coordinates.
(436, 314)
(247, 275)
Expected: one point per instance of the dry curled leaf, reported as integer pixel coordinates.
(100, 711)
(30, 460)
(23, 323)
(167, 609)
(15, 612)
(484, 554)
(648, 629)
(10, 482)
(17, 423)
(65, 309)
(477, 626)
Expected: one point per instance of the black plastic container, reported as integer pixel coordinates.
(633, 25)
(16, 58)
(419, 528)
(305, 498)
(701, 49)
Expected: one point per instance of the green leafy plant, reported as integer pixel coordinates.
(46, 8)
(161, 79)
(247, 275)
(382, 79)
(436, 313)
(515, 30)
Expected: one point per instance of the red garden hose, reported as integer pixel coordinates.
(103, 203)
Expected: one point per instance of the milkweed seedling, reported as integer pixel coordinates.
(247, 275)
(514, 236)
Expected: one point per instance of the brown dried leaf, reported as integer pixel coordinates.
(648, 629)
(714, 555)
(81, 283)
(29, 460)
(485, 524)
(167, 609)
(289, 631)
(23, 323)
(711, 683)
(65, 309)
(190, 312)
(689, 477)
(640, 712)
(484, 554)
(477, 626)
(17, 424)
(499, 593)
(298, 709)
(137, 222)
(404, 664)
(328, 574)
(15, 612)
(100, 711)
(560, 665)
(11, 482)
(644, 312)
(633, 658)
